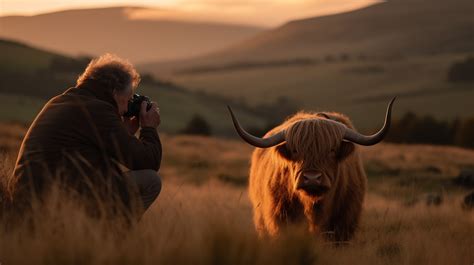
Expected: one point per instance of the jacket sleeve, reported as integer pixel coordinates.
(115, 141)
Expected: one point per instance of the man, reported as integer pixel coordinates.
(81, 140)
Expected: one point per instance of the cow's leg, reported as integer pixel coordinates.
(270, 221)
(259, 222)
(344, 224)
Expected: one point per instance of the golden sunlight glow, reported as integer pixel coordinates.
(256, 12)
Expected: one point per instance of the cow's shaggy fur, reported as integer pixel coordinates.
(312, 142)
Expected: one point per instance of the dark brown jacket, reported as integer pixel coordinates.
(79, 137)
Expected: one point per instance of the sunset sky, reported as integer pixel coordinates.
(258, 12)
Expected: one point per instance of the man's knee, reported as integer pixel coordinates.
(149, 185)
(150, 181)
(155, 183)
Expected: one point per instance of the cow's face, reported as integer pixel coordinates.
(312, 146)
(313, 150)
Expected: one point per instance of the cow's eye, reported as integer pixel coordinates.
(284, 151)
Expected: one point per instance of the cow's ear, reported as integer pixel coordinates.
(283, 151)
(346, 149)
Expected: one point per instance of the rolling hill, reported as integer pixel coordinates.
(351, 62)
(30, 76)
(390, 29)
(117, 30)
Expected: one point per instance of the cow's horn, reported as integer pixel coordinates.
(355, 137)
(257, 141)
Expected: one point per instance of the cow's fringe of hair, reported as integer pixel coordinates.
(328, 136)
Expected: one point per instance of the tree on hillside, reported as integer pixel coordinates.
(462, 71)
(401, 129)
(413, 129)
(197, 125)
(465, 134)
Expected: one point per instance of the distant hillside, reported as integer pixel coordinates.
(18, 55)
(30, 76)
(96, 31)
(351, 62)
(29, 71)
(390, 29)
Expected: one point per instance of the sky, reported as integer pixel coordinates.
(255, 12)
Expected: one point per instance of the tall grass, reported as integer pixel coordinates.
(210, 221)
(211, 224)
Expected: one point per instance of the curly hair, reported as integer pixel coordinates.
(110, 71)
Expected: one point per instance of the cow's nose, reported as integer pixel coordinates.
(312, 177)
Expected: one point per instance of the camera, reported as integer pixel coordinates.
(135, 103)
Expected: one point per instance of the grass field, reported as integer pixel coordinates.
(358, 88)
(203, 215)
(21, 102)
(23, 57)
(176, 109)
(19, 108)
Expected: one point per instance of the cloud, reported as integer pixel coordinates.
(268, 12)
(269, 3)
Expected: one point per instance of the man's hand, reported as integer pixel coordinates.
(131, 124)
(150, 118)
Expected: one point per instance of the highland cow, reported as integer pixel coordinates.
(309, 170)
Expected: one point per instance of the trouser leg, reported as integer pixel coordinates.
(148, 183)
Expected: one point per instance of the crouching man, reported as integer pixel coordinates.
(81, 140)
